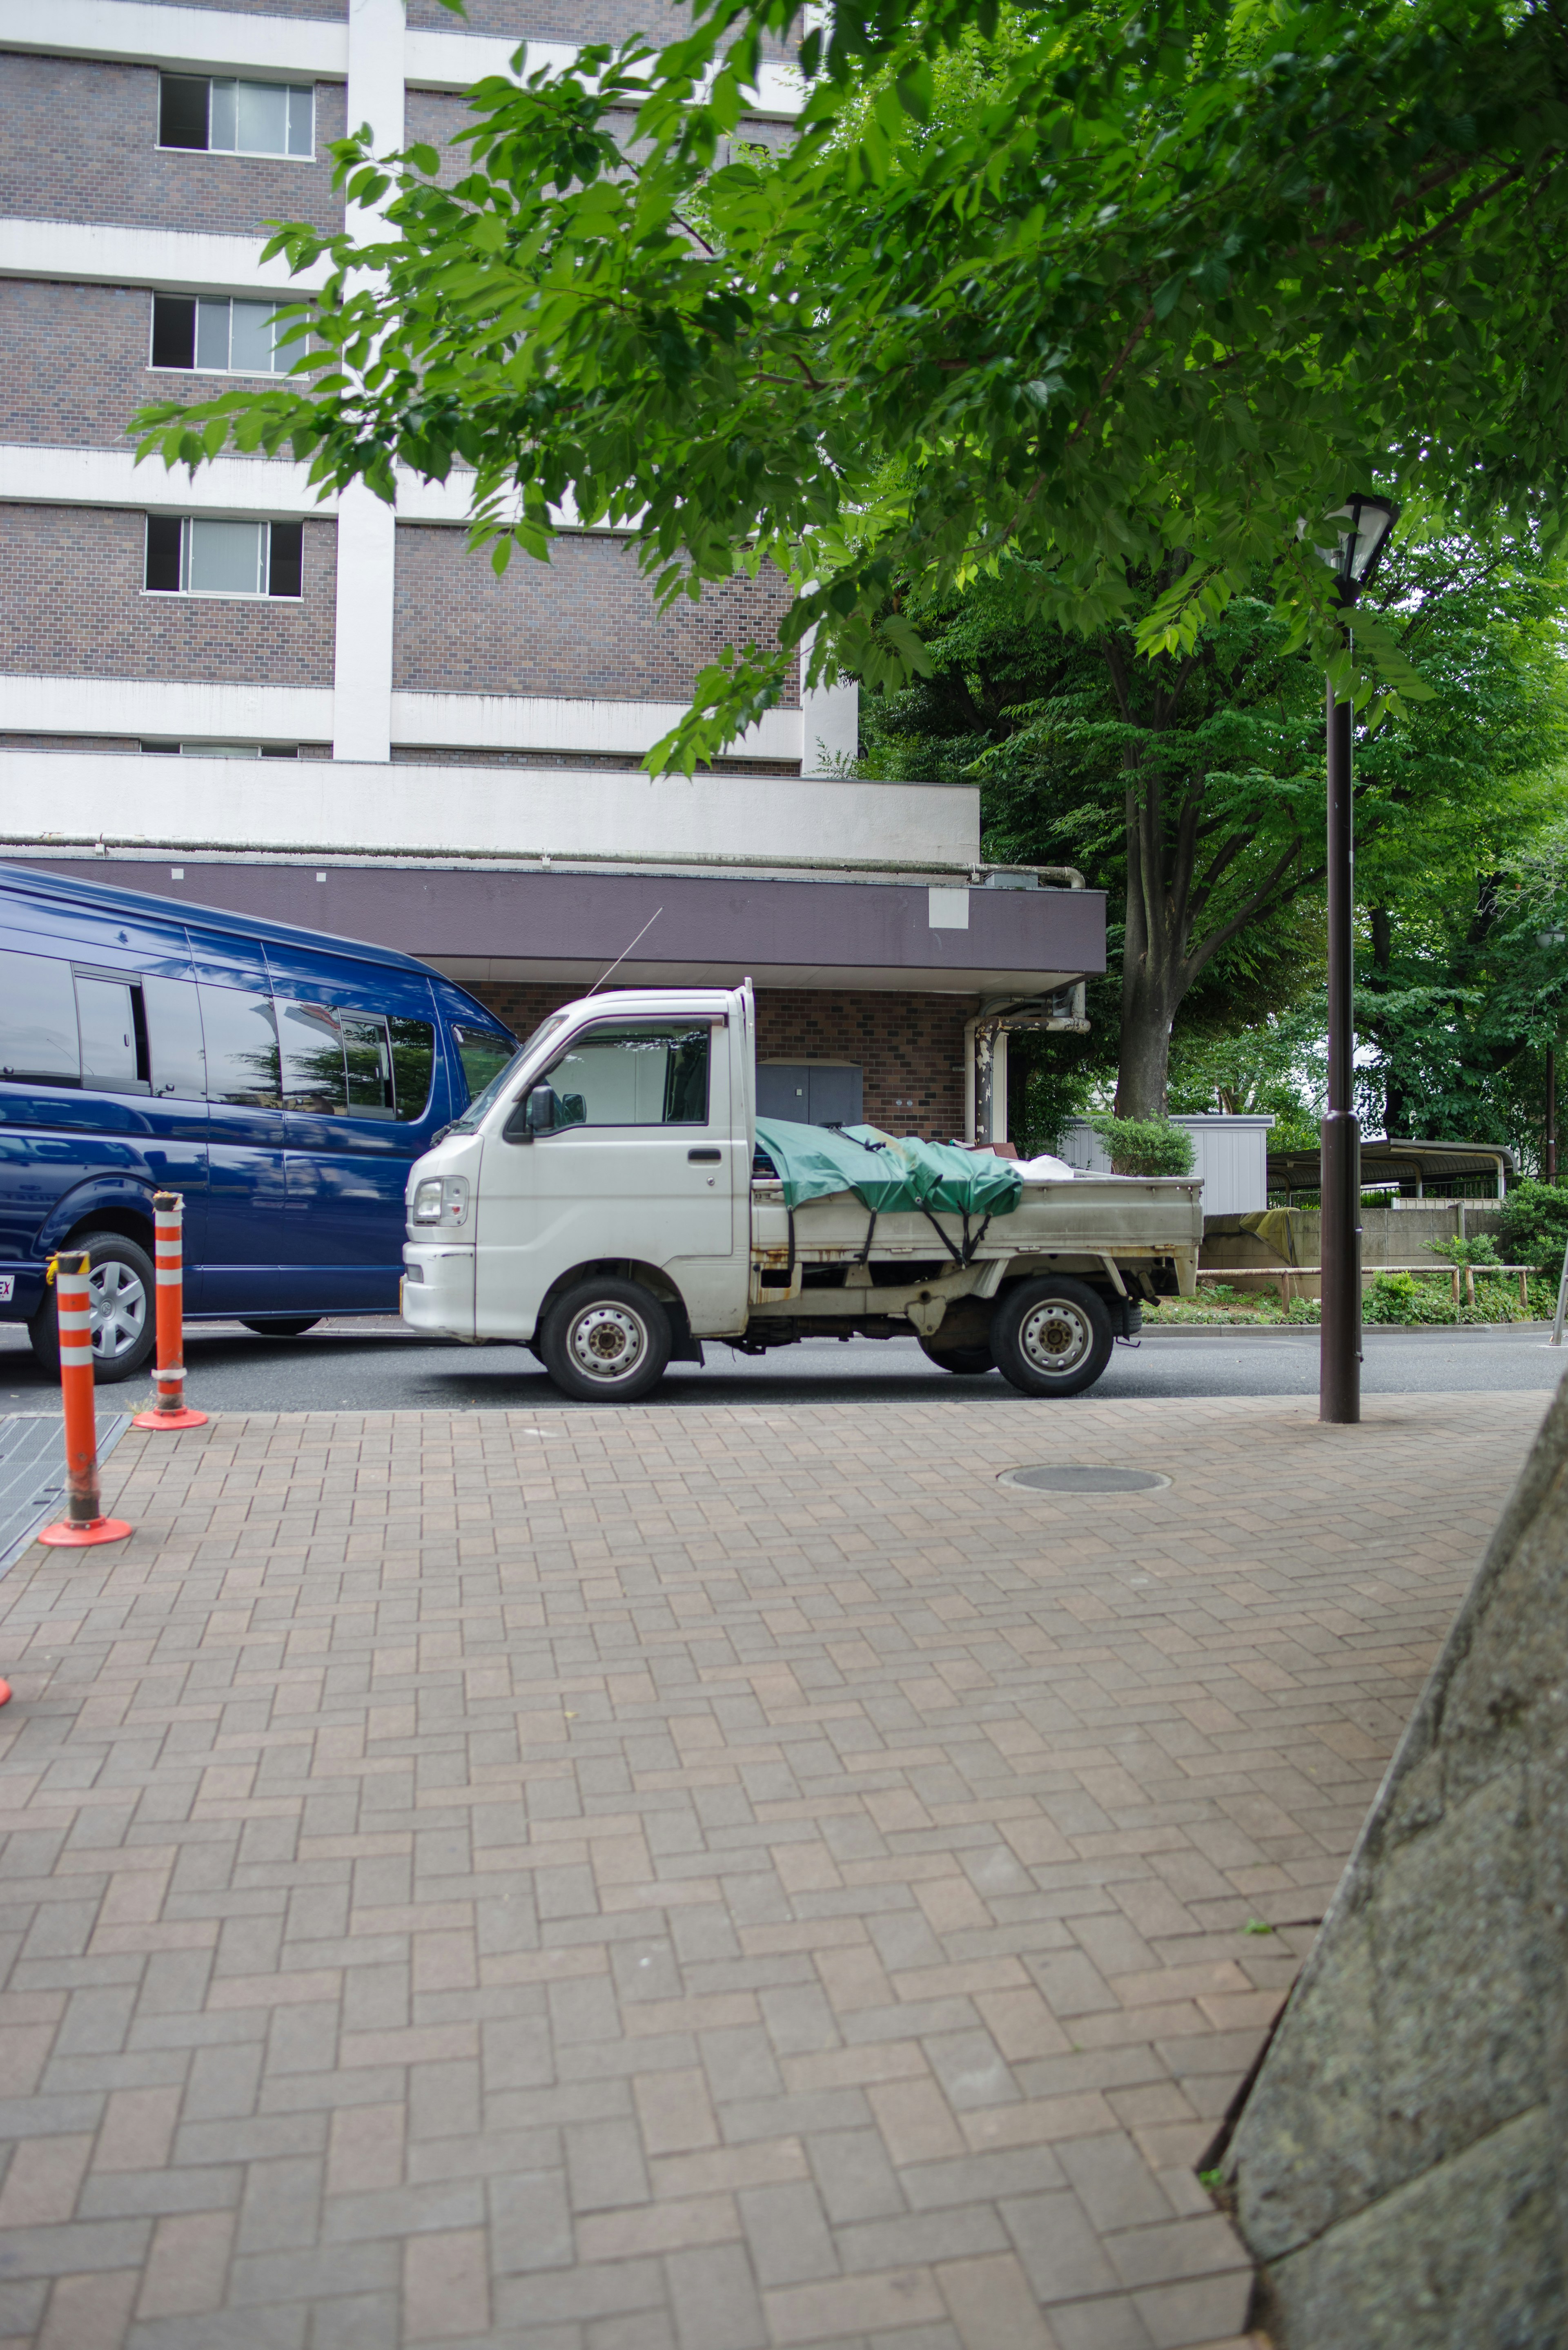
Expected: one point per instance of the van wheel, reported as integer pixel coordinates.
(297, 1328)
(121, 1290)
(606, 1341)
(969, 1362)
(1052, 1338)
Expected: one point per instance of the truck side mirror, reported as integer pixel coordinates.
(535, 1114)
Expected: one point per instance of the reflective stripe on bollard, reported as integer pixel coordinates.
(84, 1520)
(168, 1409)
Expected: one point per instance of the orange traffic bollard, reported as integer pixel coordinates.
(169, 1411)
(84, 1520)
(5, 1693)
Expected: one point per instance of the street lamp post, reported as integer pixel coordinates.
(1364, 526)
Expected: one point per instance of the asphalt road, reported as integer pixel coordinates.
(377, 1365)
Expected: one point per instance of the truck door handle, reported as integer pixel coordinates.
(705, 1157)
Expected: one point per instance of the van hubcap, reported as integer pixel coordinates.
(119, 1305)
(609, 1342)
(1055, 1336)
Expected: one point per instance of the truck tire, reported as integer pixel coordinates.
(606, 1341)
(967, 1362)
(120, 1286)
(1052, 1338)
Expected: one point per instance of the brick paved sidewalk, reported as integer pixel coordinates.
(687, 1880)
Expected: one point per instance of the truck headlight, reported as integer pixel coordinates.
(441, 1200)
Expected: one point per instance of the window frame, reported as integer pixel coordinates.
(267, 595)
(286, 154)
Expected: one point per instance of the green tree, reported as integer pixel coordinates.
(1149, 290)
(1194, 790)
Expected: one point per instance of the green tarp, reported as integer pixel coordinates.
(888, 1173)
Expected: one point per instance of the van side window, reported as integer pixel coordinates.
(638, 1073)
(38, 1021)
(113, 1033)
(413, 1065)
(242, 1048)
(370, 1059)
(175, 1038)
(311, 1035)
(483, 1056)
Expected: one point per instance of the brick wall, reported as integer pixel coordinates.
(566, 20)
(910, 1047)
(583, 625)
(74, 369)
(77, 143)
(70, 587)
(118, 745)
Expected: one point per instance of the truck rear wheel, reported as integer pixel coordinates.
(606, 1341)
(968, 1362)
(1052, 1338)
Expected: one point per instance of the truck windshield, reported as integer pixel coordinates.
(489, 1094)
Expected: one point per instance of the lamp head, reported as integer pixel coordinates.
(1365, 525)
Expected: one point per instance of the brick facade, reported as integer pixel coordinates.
(582, 625)
(568, 20)
(75, 369)
(70, 587)
(910, 1047)
(78, 142)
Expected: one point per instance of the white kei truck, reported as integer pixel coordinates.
(599, 1202)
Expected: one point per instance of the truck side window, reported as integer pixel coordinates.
(38, 1021)
(413, 1065)
(638, 1072)
(242, 1048)
(483, 1056)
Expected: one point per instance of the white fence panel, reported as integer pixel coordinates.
(1231, 1155)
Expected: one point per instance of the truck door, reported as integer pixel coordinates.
(638, 1163)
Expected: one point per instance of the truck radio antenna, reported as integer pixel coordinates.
(626, 951)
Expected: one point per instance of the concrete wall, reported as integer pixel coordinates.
(1400, 2169)
(1388, 1237)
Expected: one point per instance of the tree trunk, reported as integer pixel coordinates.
(1149, 999)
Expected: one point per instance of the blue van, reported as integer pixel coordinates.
(283, 1080)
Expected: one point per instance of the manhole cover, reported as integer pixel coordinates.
(1064, 1478)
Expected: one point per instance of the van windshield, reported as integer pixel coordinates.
(488, 1095)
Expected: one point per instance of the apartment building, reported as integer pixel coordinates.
(223, 689)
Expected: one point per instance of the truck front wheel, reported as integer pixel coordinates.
(606, 1341)
(1052, 1338)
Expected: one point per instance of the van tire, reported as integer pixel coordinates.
(1052, 1338)
(965, 1362)
(294, 1328)
(617, 1324)
(121, 1274)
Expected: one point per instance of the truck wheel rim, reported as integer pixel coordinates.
(608, 1343)
(119, 1304)
(1055, 1337)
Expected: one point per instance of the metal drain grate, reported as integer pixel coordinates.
(33, 1473)
(1066, 1478)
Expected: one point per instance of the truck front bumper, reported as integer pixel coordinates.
(437, 1288)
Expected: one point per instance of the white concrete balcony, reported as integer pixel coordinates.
(310, 807)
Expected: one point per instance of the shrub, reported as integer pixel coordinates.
(1534, 1226)
(1145, 1145)
(1482, 1249)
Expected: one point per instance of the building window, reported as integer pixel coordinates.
(235, 118)
(189, 556)
(220, 749)
(217, 337)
